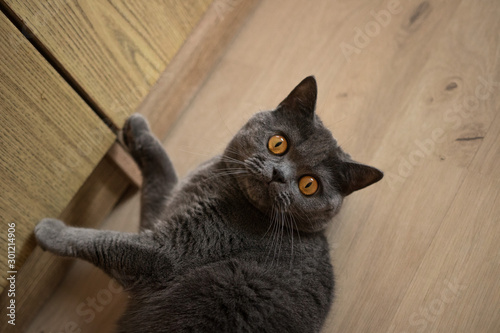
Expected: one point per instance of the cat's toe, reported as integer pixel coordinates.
(48, 233)
(135, 126)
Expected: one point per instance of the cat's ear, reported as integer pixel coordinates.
(302, 98)
(356, 176)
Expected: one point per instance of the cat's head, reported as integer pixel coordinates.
(292, 165)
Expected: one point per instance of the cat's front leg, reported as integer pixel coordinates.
(158, 173)
(130, 258)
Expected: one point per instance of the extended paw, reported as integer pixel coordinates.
(49, 234)
(135, 127)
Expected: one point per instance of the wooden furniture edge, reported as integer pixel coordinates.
(121, 157)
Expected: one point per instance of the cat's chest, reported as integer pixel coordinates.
(201, 229)
(202, 232)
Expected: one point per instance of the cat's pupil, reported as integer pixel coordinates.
(278, 144)
(308, 184)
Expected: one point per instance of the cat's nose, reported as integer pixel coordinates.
(278, 176)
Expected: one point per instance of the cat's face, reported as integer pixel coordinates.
(293, 169)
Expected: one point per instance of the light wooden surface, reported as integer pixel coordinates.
(40, 172)
(419, 251)
(113, 50)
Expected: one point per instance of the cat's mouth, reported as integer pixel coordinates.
(265, 194)
(283, 201)
(263, 189)
(277, 191)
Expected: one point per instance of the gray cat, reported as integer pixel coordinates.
(239, 245)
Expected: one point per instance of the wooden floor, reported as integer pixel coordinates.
(412, 89)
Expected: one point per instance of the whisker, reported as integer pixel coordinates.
(223, 173)
(291, 232)
(227, 173)
(187, 149)
(271, 222)
(303, 214)
(234, 152)
(292, 217)
(224, 158)
(282, 235)
(273, 233)
(276, 237)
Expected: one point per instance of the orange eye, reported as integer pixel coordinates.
(308, 185)
(277, 145)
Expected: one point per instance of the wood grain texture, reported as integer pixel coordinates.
(419, 251)
(43, 272)
(192, 65)
(114, 50)
(50, 141)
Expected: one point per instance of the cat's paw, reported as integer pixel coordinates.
(135, 127)
(49, 234)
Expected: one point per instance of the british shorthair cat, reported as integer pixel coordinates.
(237, 246)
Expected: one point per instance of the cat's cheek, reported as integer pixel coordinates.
(256, 193)
(336, 203)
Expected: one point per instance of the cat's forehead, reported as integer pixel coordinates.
(302, 131)
(318, 146)
(310, 138)
(286, 122)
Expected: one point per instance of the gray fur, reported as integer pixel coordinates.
(234, 247)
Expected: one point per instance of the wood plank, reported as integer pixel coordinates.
(43, 272)
(114, 51)
(50, 141)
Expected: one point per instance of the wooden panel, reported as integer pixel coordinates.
(42, 272)
(49, 141)
(114, 50)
